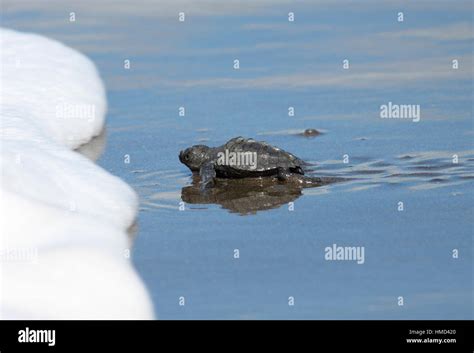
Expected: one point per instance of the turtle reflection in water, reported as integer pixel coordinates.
(247, 196)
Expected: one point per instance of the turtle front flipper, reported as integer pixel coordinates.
(207, 174)
(283, 174)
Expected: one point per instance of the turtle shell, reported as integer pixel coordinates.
(247, 157)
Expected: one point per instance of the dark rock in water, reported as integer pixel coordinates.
(438, 180)
(311, 133)
(406, 157)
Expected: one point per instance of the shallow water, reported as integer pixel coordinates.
(190, 253)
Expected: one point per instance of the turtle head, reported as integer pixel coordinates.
(194, 157)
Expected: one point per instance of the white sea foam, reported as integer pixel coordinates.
(72, 213)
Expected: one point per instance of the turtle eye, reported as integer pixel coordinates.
(186, 157)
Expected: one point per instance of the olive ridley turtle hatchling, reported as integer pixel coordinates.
(244, 158)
